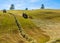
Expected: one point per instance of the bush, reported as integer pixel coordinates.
(4, 11)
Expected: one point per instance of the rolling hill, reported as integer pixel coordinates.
(42, 27)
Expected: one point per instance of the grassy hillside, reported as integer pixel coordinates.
(9, 31)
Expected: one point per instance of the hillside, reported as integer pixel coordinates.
(43, 26)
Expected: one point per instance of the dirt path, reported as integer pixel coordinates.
(24, 35)
(52, 29)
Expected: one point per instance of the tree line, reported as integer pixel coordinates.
(12, 7)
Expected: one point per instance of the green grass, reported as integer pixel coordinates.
(8, 29)
(7, 23)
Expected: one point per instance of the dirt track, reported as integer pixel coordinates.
(23, 34)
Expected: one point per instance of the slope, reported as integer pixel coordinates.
(49, 21)
(9, 30)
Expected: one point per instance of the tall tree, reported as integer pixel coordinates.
(42, 6)
(12, 7)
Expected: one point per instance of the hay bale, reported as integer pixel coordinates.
(25, 15)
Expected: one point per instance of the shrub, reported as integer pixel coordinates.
(4, 11)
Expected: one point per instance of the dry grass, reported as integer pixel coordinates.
(45, 25)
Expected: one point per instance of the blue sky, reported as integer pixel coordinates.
(31, 4)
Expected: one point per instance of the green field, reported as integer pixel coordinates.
(9, 32)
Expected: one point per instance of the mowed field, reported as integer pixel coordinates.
(42, 25)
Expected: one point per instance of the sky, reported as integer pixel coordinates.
(30, 4)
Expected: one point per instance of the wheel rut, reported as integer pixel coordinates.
(23, 34)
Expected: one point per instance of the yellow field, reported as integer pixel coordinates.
(43, 26)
